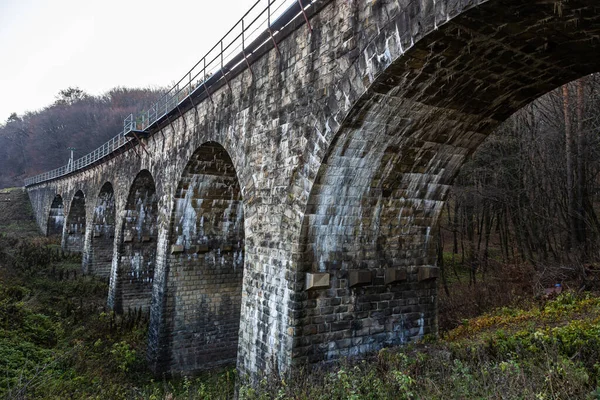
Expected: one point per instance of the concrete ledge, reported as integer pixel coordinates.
(394, 275)
(359, 278)
(199, 248)
(176, 249)
(317, 280)
(427, 273)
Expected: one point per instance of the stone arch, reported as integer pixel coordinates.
(205, 264)
(103, 233)
(439, 78)
(56, 217)
(75, 232)
(137, 248)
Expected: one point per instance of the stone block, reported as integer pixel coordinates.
(359, 278)
(394, 275)
(317, 280)
(177, 248)
(427, 273)
(199, 248)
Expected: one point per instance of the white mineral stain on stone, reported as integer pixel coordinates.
(135, 272)
(59, 220)
(399, 40)
(347, 103)
(187, 217)
(343, 190)
(140, 217)
(386, 57)
(369, 71)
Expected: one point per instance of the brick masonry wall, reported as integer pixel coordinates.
(137, 249)
(434, 80)
(73, 236)
(204, 288)
(344, 144)
(99, 259)
(56, 218)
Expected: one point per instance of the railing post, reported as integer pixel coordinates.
(244, 48)
(204, 80)
(269, 26)
(222, 67)
(305, 16)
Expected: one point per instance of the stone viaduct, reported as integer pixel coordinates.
(286, 218)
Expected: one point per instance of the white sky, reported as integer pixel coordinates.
(49, 45)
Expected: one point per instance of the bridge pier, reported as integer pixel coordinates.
(114, 300)
(87, 255)
(100, 235)
(75, 226)
(136, 257)
(56, 219)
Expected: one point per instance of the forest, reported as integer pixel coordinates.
(37, 141)
(532, 189)
(522, 215)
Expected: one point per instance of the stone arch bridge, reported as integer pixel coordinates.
(284, 215)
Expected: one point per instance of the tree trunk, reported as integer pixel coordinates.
(440, 256)
(571, 238)
(581, 178)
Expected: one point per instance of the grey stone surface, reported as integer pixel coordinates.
(99, 239)
(333, 155)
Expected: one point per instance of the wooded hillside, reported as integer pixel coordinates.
(37, 141)
(529, 197)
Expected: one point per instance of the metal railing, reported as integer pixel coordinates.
(113, 144)
(258, 26)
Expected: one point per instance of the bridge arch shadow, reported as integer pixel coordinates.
(378, 192)
(75, 232)
(56, 217)
(205, 264)
(103, 233)
(136, 258)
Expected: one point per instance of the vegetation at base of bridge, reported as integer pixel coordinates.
(57, 341)
(544, 350)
